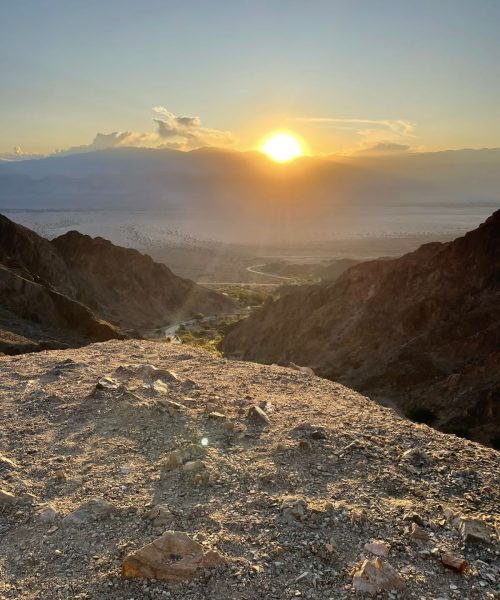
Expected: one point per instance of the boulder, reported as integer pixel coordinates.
(173, 557)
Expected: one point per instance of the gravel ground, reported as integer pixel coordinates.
(289, 495)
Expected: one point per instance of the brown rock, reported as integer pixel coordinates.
(378, 548)
(376, 576)
(474, 531)
(6, 498)
(418, 534)
(454, 562)
(216, 415)
(160, 515)
(305, 370)
(257, 414)
(173, 557)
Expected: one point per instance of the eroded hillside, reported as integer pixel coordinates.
(422, 330)
(77, 289)
(277, 483)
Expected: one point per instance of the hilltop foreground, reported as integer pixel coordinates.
(283, 476)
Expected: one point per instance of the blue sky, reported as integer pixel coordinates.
(341, 74)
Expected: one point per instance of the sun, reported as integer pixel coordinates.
(282, 147)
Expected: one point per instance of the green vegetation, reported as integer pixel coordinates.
(420, 414)
(198, 340)
(244, 296)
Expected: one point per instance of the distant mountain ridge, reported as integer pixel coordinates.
(246, 192)
(76, 289)
(422, 330)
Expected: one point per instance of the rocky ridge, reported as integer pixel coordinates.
(140, 469)
(76, 289)
(422, 330)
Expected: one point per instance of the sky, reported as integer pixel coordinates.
(347, 76)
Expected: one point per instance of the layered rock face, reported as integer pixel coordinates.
(76, 289)
(422, 330)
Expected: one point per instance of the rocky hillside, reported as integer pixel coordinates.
(139, 469)
(76, 289)
(422, 330)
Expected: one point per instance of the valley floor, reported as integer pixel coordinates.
(289, 494)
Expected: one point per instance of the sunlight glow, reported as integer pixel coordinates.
(282, 147)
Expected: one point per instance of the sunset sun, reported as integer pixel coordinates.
(281, 147)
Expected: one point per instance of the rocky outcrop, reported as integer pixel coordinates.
(422, 330)
(128, 288)
(75, 290)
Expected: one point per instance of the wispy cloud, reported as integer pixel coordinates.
(372, 136)
(397, 126)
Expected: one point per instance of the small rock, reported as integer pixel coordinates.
(59, 475)
(174, 408)
(173, 557)
(6, 463)
(173, 460)
(256, 413)
(159, 387)
(160, 515)
(294, 510)
(417, 457)
(164, 375)
(416, 518)
(376, 576)
(193, 465)
(6, 498)
(418, 534)
(201, 478)
(448, 514)
(454, 562)
(216, 415)
(107, 383)
(94, 509)
(474, 531)
(378, 548)
(305, 370)
(47, 515)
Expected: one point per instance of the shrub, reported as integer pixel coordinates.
(495, 442)
(420, 414)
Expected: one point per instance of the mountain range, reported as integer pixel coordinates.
(238, 196)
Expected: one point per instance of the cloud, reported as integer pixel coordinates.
(187, 133)
(374, 136)
(383, 149)
(397, 126)
(173, 131)
(17, 154)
